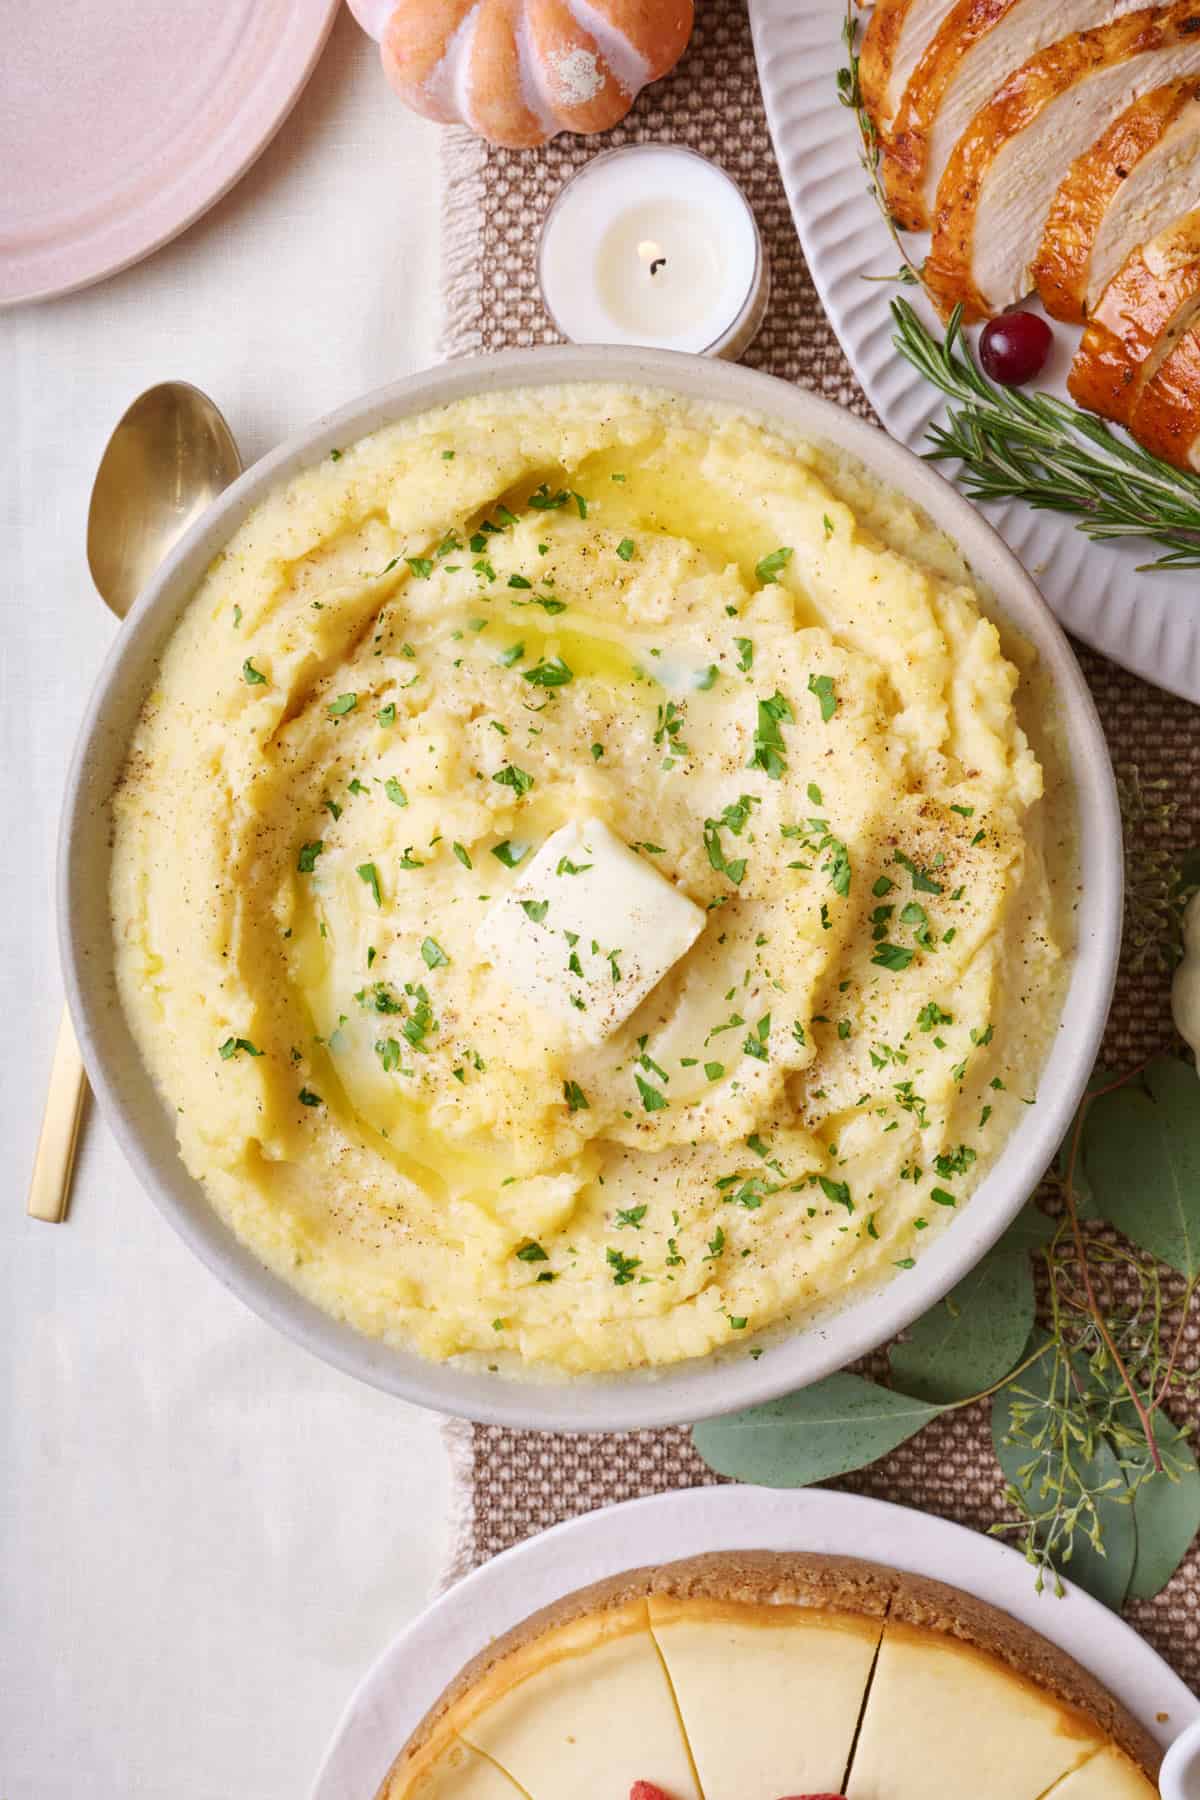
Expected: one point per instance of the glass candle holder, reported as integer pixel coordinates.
(654, 245)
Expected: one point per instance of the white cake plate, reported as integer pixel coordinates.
(411, 1673)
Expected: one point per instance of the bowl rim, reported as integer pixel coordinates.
(718, 1383)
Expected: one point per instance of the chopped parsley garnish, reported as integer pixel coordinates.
(513, 654)
(531, 1253)
(652, 1100)
(576, 1099)
(567, 867)
(233, 1045)
(463, 855)
(306, 1097)
(597, 752)
(517, 779)
(837, 1191)
(520, 582)
(631, 1217)
(387, 714)
(768, 739)
(756, 1041)
(932, 1015)
(892, 956)
(345, 703)
(551, 672)
(407, 861)
(432, 954)
(954, 1162)
(922, 879)
(370, 874)
(395, 792)
(535, 909)
(771, 567)
(623, 1267)
(626, 549)
(745, 649)
(716, 1245)
(941, 1198)
(388, 1052)
(714, 1070)
(251, 676)
(669, 723)
(509, 854)
(421, 566)
(237, 617)
(306, 862)
(821, 686)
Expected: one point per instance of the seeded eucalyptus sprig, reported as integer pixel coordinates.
(1101, 1484)
(1037, 448)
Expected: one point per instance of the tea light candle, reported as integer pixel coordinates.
(654, 245)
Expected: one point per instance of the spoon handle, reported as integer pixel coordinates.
(50, 1187)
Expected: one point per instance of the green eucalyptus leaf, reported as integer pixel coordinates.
(828, 1429)
(1028, 1449)
(1142, 1152)
(974, 1336)
(1085, 1200)
(1030, 1231)
(1166, 1512)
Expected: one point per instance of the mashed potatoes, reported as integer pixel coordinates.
(768, 679)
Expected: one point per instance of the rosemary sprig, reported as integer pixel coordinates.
(1037, 448)
(849, 90)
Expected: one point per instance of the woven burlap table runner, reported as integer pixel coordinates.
(514, 1483)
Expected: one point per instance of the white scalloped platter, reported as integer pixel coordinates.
(1149, 624)
(410, 1674)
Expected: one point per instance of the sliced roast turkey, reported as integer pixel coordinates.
(1166, 419)
(995, 195)
(1147, 306)
(1126, 187)
(977, 45)
(896, 40)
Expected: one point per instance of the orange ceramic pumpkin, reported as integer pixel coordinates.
(519, 71)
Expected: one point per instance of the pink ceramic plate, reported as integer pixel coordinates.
(120, 124)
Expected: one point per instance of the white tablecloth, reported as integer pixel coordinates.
(205, 1534)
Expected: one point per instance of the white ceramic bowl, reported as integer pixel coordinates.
(145, 1129)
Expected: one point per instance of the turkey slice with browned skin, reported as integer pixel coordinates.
(1098, 184)
(1166, 419)
(995, 196)
(978, 45)
(1163, 186)
(896, 39)
(1151, 300)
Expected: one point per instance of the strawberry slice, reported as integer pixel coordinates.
(646, 1790)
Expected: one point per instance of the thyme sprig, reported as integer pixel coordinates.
(1037, 448)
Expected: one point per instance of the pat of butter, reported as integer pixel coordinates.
(588, 930)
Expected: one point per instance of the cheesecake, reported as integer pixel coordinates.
(774, 1676)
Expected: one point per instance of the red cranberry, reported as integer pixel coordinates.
(1013, 348)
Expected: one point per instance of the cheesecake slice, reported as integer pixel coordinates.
(1109, 1775)
(761, 1675)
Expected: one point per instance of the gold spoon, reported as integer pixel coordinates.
(169, 457)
